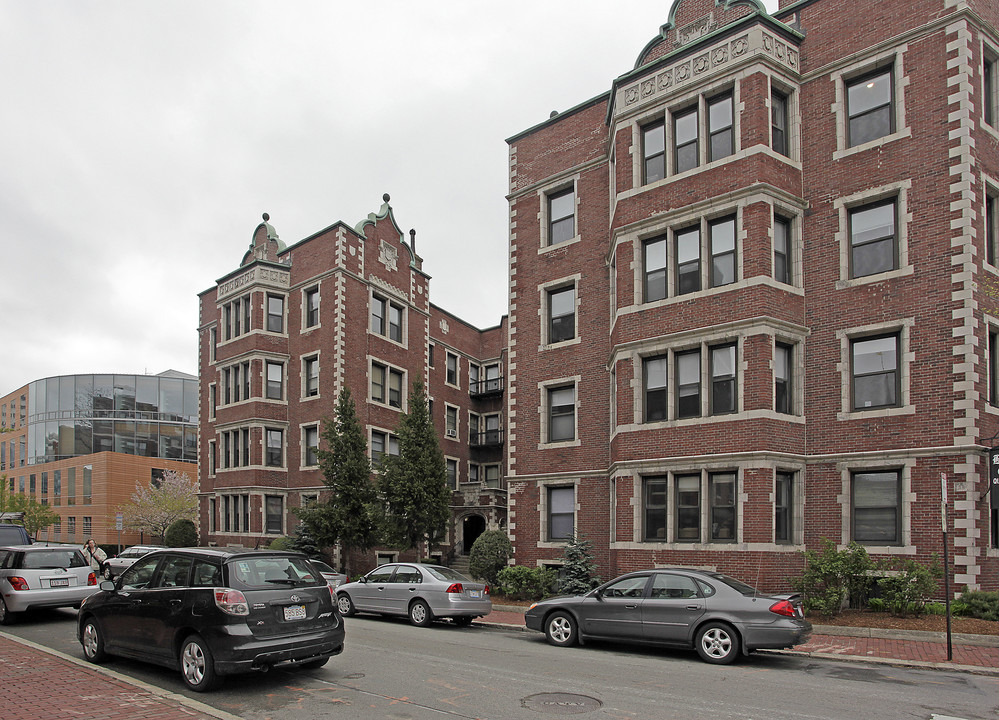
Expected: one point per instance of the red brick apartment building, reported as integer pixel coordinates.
(754, 294)
(291, 326)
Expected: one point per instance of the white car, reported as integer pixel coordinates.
(113, 567)
(40, 576)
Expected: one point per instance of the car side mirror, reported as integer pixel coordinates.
(107, 585)
(362, 579)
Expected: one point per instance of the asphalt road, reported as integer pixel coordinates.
(391, 670)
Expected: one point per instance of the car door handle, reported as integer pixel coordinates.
(693, 607)
(630, 607)
(176, 603)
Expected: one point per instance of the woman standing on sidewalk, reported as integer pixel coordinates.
(95, 556)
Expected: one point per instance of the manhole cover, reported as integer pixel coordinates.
(561, 703)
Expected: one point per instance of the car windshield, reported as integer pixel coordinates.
(737, 585)
(271, 571)
(445, 573)
(323, 567)
(51, 559)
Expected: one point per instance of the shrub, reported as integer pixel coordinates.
(282, 543)
(489, 554)
(182, 533)
(578, 572)
(908, 586)
(935, 608)
(877, 605)
(525, 583)
(978, 604)
(832, 578)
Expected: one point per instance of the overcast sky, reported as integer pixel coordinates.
(140, 142)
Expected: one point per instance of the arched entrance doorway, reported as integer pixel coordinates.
(471, 527)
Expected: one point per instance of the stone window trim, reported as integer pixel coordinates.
(679, 105)
(269, 388)
(991, 360)
(842, 78)
(404, 400)
(907, 357)
(543, 411)
(544, 291)
(315, 357)
(544, 193)
(213, 399)
(989, 212)
(452, 369)
(452, 431)
(543, 510)
(679, 225)
(898, 192)
(387, 437)
(990, 86)
(904, 466)
(270, 321)
(307, 292)
(792, 118)
(453, 462)
(390, 302)
(212, 458)
(303, 429)
(793, 215)
(797, 389)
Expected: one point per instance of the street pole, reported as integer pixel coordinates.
(946, 563)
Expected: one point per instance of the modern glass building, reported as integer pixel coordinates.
(146, 415)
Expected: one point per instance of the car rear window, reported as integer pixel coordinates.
(271, 571)
(444, 573)
(50, 559)
(737, 585)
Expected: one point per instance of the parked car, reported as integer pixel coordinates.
(717, 615)
(334, 578)
(211, 612)
(113, 567)
(11, 534)
(39, 576)
(422, 592)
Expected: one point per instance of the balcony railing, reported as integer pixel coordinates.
(489, 438)
(484, 388)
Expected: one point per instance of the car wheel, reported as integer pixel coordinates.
(419, 614)
(6, 616)
(108, 575)
(197, 666)
(93, 642)
(560, 629)
(717, 643)
(314, 664)
(463, 620)
(345, 605)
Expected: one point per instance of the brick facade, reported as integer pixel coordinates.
(729, 413)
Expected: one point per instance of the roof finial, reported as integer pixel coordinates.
(412, 239)
(266, 217)
(385, 197)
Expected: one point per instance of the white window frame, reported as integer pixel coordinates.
(544, 411)
(544, 312)
(908, 497)
(899, 192)
(900, 82)
(544, 194)
(846, 336)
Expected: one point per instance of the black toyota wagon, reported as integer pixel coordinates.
(210, 612)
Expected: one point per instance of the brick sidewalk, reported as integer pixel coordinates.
(42, 685)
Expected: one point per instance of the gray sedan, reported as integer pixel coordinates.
(717, 615)
(115, 566)
(40, 576)
(422, 592)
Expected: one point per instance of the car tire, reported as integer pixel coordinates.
(314, 664)
(419, 613)
(92, 640)
(463, 620)
(560, 629)
(6, 616)
(717, 643)
(345, 605)
(108, 575)
(197, 665)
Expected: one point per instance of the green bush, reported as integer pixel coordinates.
(935, 608)
(282, 543)
(489, 554)
(833, 578)
(181, 533)
(978, 604)
(908, 586)
(578, 573)
(877, 605)
(525, 583)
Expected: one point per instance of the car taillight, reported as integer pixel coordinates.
(485, 590)
(18, 583)
(783, 607)
(92, 579)
(231, 602)
(455, 588)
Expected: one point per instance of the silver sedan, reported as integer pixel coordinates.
(422, 592)
(717, 615)
(39, 576)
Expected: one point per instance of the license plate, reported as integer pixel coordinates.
(294, 612)
(474, 593)
(64, 582)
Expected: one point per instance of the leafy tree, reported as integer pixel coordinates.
(154, 509)
(181, 533)
(36, 515)
(578, 574)
(489, 554)
(7, 498)
(413, 484)
(347, 514)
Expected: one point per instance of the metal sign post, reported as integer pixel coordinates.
(118, 523)
(946, 563)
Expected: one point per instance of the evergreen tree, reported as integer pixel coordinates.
(413, 484)
(578, 574)
(347, 513)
